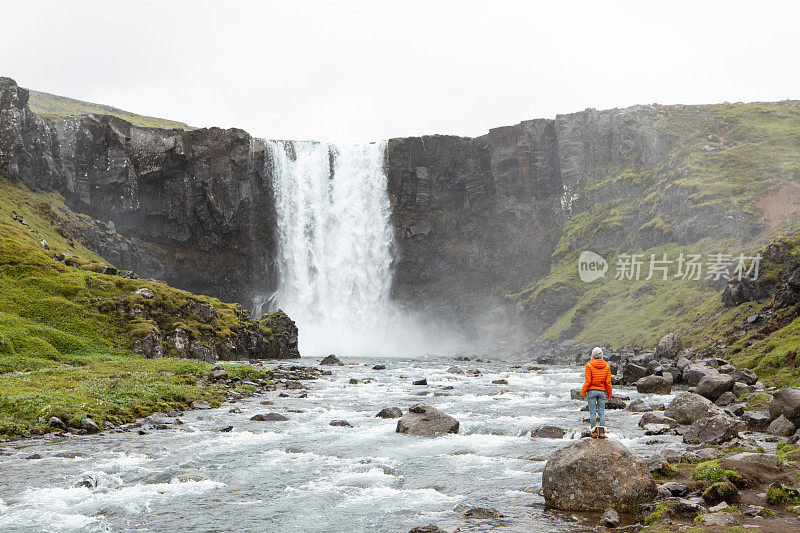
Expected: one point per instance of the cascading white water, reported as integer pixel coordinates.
(334, 246)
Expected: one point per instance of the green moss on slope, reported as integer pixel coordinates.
(64, 342)
(726, 158)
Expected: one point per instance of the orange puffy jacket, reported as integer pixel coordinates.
(598, 377)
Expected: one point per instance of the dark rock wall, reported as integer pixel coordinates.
(199, 202)
(480, 217)
(473, 217)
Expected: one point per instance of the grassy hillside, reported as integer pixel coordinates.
(731, 179)
(52, 107)
(65, 335)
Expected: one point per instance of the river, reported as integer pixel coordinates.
(304, 475)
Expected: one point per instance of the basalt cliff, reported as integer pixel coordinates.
(488, 229)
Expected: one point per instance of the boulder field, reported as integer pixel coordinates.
(716, 399)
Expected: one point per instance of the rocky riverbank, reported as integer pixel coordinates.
(726, 418)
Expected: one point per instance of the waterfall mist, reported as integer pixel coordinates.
(335, 249)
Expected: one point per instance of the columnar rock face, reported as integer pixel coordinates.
(197, 204)
(471, 214)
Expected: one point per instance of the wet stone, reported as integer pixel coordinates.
(269, 417)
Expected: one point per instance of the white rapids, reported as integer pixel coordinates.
(304, 475)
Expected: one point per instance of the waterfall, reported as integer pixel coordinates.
(335, 246)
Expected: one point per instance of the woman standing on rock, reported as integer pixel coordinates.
(596, 388)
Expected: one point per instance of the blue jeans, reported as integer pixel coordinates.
(597, 403)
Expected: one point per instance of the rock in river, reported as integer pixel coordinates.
(435, 528)
(89, 426)
(426, 420)
(331, 360)
(482, 512)
(390, 412)
(593, 475)
(269, 417)
(547, 432)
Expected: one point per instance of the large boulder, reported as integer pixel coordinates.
(786, 402)
(427, 421)
(715, 385)
(744, 375)
(782, 427)
(687, 407)
(595, 474)
(693, 374)
(757, 420)
(669, 346)
(711, 430)
(632, 372)
(654, 385)
(656, 418)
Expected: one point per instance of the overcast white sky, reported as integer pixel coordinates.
(356, 71)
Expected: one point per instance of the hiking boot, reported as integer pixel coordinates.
(594, 432)
(601, 432)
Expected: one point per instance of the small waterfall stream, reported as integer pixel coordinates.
(335, 246)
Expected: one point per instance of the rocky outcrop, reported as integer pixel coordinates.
(595, 474)
(488, 211)
(273, 337)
